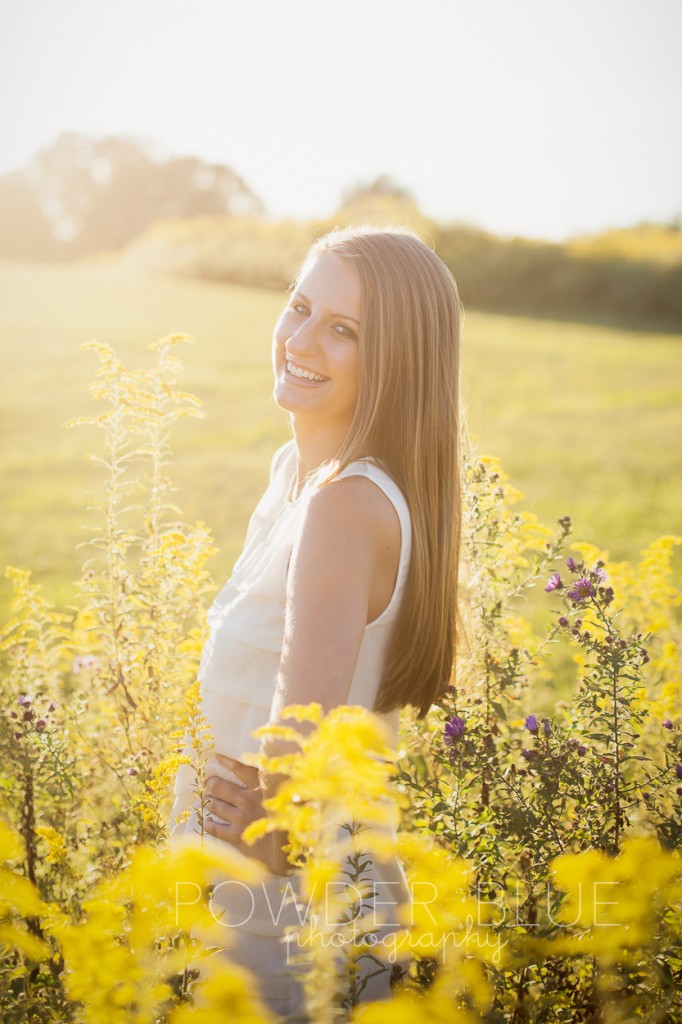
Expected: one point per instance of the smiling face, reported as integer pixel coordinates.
(315, 344)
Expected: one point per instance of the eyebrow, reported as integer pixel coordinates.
(343, 316)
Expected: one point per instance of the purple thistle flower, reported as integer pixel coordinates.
(581, 590)
(570, 562)
(667, 723)
(41, 724)
(531, 724)
(454, 729)
(52, 706)
(554, 582)
(24, 700)
(546, 727)
(678, 770)
(581, 749)
(599, 573)
(527, 754)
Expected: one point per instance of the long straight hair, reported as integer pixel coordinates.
(408, 418)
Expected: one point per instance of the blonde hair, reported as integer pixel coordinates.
(407, 418)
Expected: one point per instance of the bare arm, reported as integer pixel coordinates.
(333, 566)
(330, 576)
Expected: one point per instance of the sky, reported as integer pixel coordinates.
(544, 118)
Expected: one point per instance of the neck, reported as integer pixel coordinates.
(315, 445)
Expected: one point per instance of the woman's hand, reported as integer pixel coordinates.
(239, 806)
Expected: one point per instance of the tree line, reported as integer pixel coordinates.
(181, 215)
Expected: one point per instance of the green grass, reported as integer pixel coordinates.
(586, 419)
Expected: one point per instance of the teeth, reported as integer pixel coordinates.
(303, 373)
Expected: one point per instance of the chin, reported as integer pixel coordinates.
(284, 399)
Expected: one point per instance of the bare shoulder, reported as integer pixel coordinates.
(354, 507)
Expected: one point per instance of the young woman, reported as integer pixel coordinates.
(346, 590)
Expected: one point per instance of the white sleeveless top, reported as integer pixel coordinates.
(241, 659)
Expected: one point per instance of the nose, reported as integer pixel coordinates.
(304, 339)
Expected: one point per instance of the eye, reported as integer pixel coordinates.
(299, 308)
(345, 331)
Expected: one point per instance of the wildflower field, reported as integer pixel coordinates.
(540, 801)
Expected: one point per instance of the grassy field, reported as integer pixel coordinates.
(586, 419)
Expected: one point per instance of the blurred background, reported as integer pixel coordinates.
(164, 167)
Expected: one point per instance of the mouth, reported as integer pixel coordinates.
(299, 375)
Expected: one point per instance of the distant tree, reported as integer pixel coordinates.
(382, 201)
(100, 193)
(384, 186)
